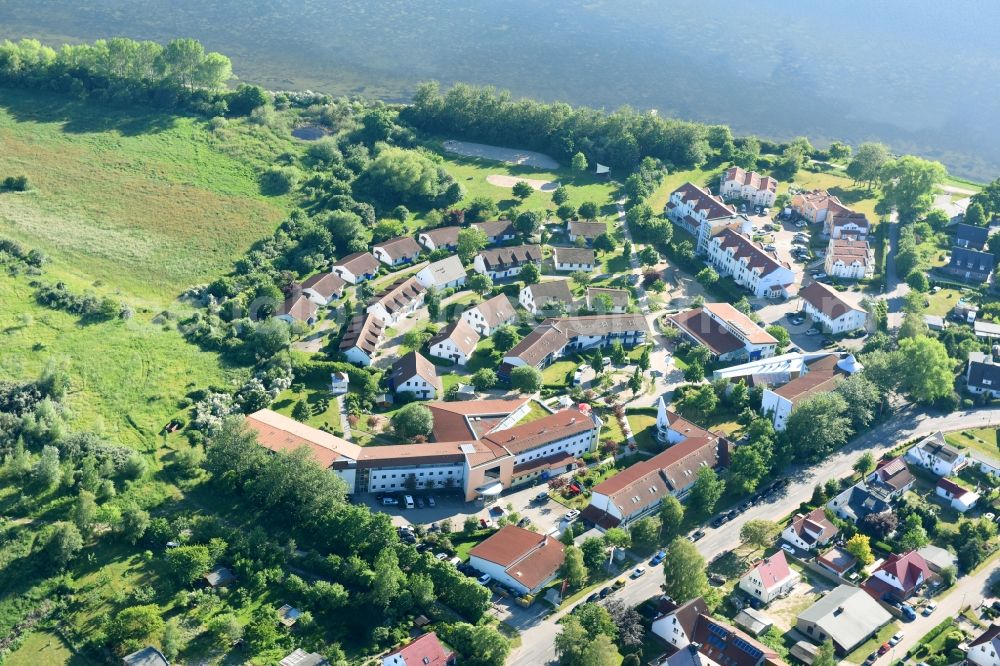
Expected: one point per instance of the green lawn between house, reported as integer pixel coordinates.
(981, 441)
(861, 653)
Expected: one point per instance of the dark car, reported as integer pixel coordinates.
(746, 504)
(605, 592)
(594, 597)
(720, 520)
(696, 535)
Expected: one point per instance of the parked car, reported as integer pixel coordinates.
(770, 247)
(619, 584)
(408, 500)
(929, 608)
(542, 497)
(657, 558)
(638, 571)
(812, 331)
(455, 561)
(896, 637)
(390, 501)
(800, 224)
(430, 502)
(571, 515)
(788, 549)
(696, 535)
(605, 592)
(883, 648)
(441, 556)
(484, 579)
(420, 502)
(720, 520)
(524, 522)
(908, 613)
(594, 597)
(819, 276)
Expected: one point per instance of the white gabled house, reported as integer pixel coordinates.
(506, 262)
(769, 579)
(401, 298)
(488, 316)
(362, 339)
(357, 267)
(961, 499)
(447, 273)
(828, 309)
(397, 251)
(455, 342)
(749, 264)
(574, 259)
(416, 375)
(807, 531)
(737, 183)
(934, 454)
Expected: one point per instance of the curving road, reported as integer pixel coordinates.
(538, 633)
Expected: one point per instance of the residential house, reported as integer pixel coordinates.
(695, 638)
(397, 251)
(489, 315)
(820, 376)
(856, 502)
(808, 531)
(500, 231)
(701, 214)
(962, 499)
(297, 307)
(849, 259)
(147, 656)
(299, 657)
(324, 288)
(551, 298)
(984, 650)
(424, 650)
(982, 375)
(891, 478)
(750, 186)
(899, 577)
(362, 339)
(414, 374)
(847, 225)
(725, 331)
(846, 615)
(828, 308)
(816, 206)
(442, 238)
(558, 336)
(934, 454)
(506, 262)
(769, 579)
(937, 558)
(771, 371)
(356, 268)
(970, 265)
(586, 230)
(599, 299)
(751, 266)
(636, 491)
(971, 237)
(401, 298)
(574, 259)
(455, 342)
(447, 273)
(520, 559)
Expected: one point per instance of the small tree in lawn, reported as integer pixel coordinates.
(560, 195)
(859, 546)
(865, 464)
(617, 353)
(412, 420)
(597, 361)
(644, 359)
(530, 274)
(589, 210)
(480, 283)
(760, 533)
(522, 190)
(579, 162)
(635, 382)
(300, 412)
(484, 379)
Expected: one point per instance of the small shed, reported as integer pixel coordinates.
(147, 656)
(465, 392)
(219, 577)
(753, 621)
(804, 651)
(287, 615)
(338, 383)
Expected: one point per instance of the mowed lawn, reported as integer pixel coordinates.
(127, 376)
(141, 202)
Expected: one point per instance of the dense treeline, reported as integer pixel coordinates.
(619, 139)
(178, 75)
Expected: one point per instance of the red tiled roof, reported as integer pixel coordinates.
(744, 248)
(535, 433)
(528, 557)
(425, 650)
(814, 527)
(772, 570)
(742, 323)
(712, 206)
(951, 487)
(451, 419)
(280, 433)
(823, 376)
(907, 568)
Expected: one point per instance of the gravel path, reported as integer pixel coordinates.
(500, 154)
(510, 181)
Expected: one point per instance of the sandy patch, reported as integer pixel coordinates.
(510, 181)
(500, 154)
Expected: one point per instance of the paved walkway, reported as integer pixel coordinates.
(500, 154)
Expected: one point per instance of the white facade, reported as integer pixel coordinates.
(418, 386)
(753, 584)
(444, 475)
(480, 267)
(851, 320)
(444, 274)
(985, 654)
(855, 269)
(499, 574)
(845, 229)
(771, 284)
(780, 408)
(447, 349)
(941, 466)
(393, 318)
(358, 356)
(960, 502)
(671, 630)
(567, 266)
(474, 318)
(576, 446)
(316, 298)
(756, 191)
(382, 255)
(527, 300)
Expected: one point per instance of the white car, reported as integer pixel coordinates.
(571, 515)
(788, 549)
(896, 637)
(800, 225)
(929, 608)
(812, 331)
(638, 571)
(819, 276)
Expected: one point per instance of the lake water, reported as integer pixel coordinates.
(921, 76)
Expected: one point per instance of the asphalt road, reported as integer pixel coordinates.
(538, 634)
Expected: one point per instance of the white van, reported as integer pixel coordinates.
(408, 499)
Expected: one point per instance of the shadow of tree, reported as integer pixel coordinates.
(80, 117)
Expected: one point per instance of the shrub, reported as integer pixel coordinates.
(279, 180)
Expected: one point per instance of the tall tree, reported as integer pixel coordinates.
(908, 184)
(671, 516)
(684, 571)
(825, 656)
(760, 533)
(929, 372)
(573, 569)
(818, 425)
(866, 167)
(707, 490)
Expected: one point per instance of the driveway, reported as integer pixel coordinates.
(538, 638)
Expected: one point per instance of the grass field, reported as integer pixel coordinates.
(42, 647)
(981, 441)
(136, 201)
(126, 375)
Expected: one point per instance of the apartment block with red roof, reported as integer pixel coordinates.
(702, 214)
(769, 579)
(725, 331)
(732, 252)
(738, 183)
